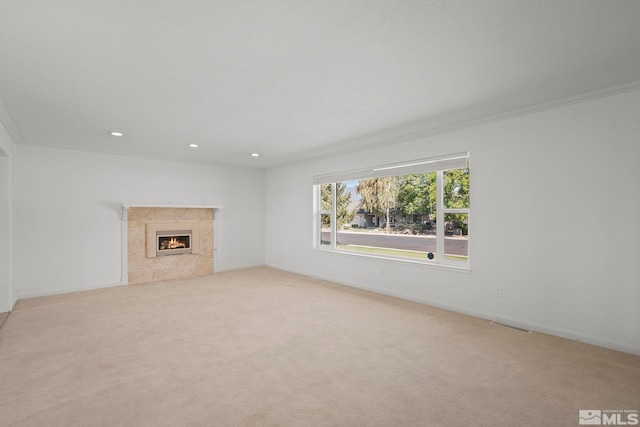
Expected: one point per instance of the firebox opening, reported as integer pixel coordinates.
(177, 242)
(173, 242)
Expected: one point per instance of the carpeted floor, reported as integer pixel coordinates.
(3, 317)
(262, 347)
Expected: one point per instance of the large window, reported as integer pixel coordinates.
(417, 211)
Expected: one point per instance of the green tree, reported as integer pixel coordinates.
(456, 188)
(456, 195)
(416, 194)
(378, 196)
(343, 214)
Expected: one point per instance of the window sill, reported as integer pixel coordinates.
(462, 268)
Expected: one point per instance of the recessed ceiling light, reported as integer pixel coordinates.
(255, 155)
(115, 133)
(193, 145)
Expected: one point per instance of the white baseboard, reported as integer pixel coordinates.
(47, 293)
(25, 295)
(222, 270)
(545, 329)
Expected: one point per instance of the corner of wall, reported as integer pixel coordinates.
(7, 148)
(14, 301)
(8, 132)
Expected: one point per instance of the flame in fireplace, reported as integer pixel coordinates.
(175, 244)
(179, 242)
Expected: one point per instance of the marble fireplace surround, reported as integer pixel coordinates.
(139, 219)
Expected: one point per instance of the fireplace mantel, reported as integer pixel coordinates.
(126, 206)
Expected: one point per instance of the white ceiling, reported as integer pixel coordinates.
(294, 79)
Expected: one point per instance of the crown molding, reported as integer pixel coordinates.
(403, 133)
(424, 128)
(5, 118)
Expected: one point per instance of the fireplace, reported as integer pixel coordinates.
(173, 242)
(172, 238)
(141, 224)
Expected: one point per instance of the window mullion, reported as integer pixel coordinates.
(334, 216)
(318, 219)
(439, 216)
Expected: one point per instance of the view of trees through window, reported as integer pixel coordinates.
(398, 216)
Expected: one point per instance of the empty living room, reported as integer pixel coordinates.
(329, 213)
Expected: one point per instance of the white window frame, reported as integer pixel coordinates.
(436, 164)
(333, 212)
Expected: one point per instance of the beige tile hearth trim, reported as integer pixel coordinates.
(154, 226)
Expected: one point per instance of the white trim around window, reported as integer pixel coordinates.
(435, 233)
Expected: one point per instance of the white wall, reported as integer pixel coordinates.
(6, 287)
(555, 202)
(5, 234)
(68, 213)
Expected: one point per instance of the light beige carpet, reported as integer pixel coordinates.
(261, 347)
(3, 317)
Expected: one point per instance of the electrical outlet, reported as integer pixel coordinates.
(498, 292)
